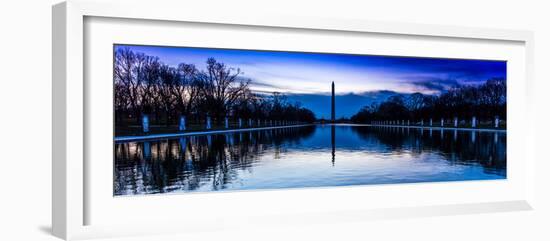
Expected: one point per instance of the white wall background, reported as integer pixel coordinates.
(25, 119)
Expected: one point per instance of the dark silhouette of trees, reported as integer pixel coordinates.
(144, 85)
(485, 102)
(216, 158)
(393, 108)
(127, 85)
(186, 88)
(220, 87)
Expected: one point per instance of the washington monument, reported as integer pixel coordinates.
(333, 111)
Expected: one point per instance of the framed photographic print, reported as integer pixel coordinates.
(204, 119)
(280, 118)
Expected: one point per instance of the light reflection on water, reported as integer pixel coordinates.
(312, 156)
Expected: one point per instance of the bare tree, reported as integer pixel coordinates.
(168, 77)
(148, 77)
(483, 101)
(125, 75)
(185, 90)
(145, 85)
(221, 87)
(414, 101)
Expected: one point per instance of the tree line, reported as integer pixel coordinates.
(143, 85)
(485, 102)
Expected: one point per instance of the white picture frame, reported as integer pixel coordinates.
(71, 190)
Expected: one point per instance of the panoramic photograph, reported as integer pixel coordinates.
(190, 119)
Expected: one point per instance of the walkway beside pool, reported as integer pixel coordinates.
(225, 131)
(435, 128)
(196, 133)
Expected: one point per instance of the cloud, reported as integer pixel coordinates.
(263, 84)
(283, 87)
(312, 73)
(433, 84)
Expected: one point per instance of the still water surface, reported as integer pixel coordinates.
(311, 156)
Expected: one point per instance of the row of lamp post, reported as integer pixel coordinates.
(474, 122)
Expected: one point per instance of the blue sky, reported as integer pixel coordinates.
(303, 74)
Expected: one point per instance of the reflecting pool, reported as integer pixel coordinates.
(310, 156)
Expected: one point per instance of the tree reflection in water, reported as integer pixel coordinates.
(187, 163)
(307, 156)
(459, 147)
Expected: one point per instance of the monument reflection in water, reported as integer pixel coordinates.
(310, 156)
